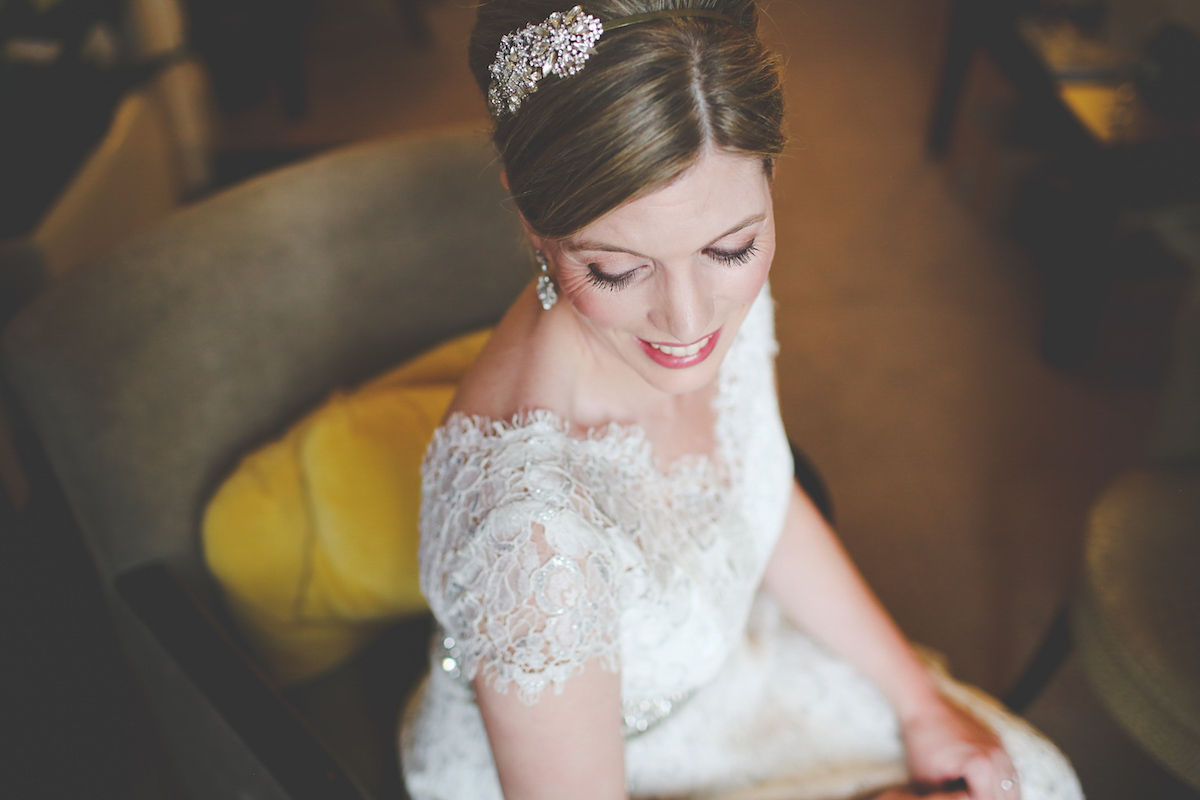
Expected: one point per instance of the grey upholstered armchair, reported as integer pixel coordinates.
(148, 373)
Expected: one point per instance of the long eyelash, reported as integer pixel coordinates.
(610, 282)
(739, 257)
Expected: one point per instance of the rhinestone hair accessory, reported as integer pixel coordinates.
(559, 46)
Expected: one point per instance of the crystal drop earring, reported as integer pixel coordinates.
(545, 287)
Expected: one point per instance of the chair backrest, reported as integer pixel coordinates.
(149, 372)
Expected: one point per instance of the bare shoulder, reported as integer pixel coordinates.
(525, 365)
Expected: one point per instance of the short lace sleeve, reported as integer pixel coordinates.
(515, 571)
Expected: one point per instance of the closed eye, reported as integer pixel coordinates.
(611, 282)
(736, 256)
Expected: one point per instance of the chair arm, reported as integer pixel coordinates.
(811, 482)
(229, 680)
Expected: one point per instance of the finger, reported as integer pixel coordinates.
(983, 781)
(1010, 787)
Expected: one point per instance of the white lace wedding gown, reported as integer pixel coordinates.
(542, 548)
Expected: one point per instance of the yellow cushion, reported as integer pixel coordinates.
(314, 536)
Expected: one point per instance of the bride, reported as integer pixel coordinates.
(634, 597)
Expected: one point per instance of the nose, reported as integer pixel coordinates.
(685, 309)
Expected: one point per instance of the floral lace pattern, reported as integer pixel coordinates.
(524, 586)
(556, 548)
(543, 548)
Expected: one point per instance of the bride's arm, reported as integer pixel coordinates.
(563, 745)
(821, 591)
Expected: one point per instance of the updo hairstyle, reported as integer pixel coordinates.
(638, 114)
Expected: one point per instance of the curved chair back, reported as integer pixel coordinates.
(156, 153)
(149, 372)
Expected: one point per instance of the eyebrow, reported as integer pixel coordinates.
(585, 244)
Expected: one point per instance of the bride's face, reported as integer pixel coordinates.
(663, 282)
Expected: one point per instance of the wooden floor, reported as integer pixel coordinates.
(961, 466)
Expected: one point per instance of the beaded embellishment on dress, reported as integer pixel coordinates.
(560, 547)
(546, 551)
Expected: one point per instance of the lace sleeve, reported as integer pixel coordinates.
(513, 570)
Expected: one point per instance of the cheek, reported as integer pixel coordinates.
(742, 286)
(601, 307)
(604, 309)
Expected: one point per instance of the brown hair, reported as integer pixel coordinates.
(638, 114)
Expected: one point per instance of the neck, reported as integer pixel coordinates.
(602, 387)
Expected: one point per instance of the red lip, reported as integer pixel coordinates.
(680, 362)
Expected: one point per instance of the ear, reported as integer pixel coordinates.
(535, 240)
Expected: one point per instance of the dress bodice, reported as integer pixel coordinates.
(542, 549)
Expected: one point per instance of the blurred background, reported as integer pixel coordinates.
(987, 230)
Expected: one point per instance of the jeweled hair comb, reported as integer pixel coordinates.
(560, 46)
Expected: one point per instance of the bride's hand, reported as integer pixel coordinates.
(944, 743)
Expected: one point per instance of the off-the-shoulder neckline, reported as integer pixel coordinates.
(629, 436)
